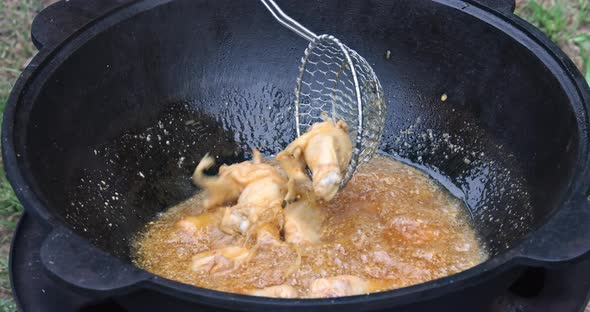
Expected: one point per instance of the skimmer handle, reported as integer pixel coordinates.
(287, 21)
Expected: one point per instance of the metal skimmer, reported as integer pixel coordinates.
(336, 80)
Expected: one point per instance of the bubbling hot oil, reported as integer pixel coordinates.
(391, 224)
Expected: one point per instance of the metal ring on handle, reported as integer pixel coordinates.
(288, 21)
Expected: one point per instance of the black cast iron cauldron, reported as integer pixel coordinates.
(104, 127)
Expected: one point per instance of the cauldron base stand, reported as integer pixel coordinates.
(34, 290)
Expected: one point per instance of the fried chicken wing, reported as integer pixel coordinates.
(232, 181)
(258, 188)
(326, 149)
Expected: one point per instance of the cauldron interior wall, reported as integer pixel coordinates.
(113, 137)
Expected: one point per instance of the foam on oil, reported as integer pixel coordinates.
(391, 223)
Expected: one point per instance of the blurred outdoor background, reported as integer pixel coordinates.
(566, 22)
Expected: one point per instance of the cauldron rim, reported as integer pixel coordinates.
(49, 58)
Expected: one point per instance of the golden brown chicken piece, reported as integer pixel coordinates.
(303, 222)
(258, 213)
(268, 233)
(259, 189)
(279, 291)
(220, 260)
(240, 218)
(326, 149)
(233, 180)
(260, 202)
(203, 228)
(227, 258)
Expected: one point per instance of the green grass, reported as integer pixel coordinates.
(15, 50)
(15, 46)
(10, 210)
(567, 23)
(6, 303)
(552, 20)
(583, 42)
(10, 206)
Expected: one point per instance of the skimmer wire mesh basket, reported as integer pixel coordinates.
(335, 80)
